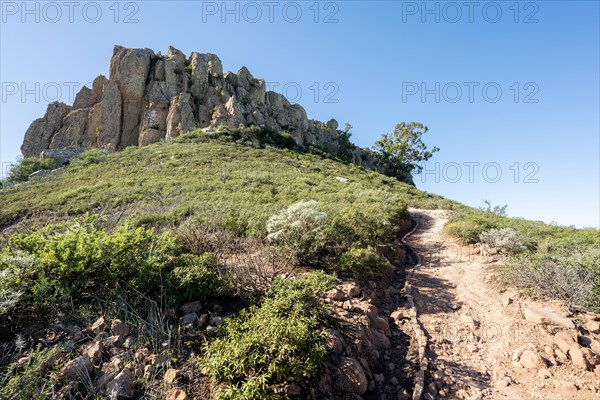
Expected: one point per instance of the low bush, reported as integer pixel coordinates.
(87, 158)
(556, 261)
(195, 278)
(278, 340)
(469, 226)
(567, 272)
(78, 259)
(26, 166)
(36, 379)
(256, 136)
(298, 228)
(505, 241)
(361, 263)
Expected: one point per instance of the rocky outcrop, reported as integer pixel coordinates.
(151, 97)
(41, 131)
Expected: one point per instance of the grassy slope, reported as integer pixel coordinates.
(206, 177)
(240, 186)
(213, 180)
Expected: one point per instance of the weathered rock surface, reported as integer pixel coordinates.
(565, 339)
(583, 358)
(546, 317)
(149, 97)
(61, 156)
(41, 131)
(122, 385)
(350, 377)
(76, 368)
(531, 360)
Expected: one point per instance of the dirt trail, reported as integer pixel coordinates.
(477, 335)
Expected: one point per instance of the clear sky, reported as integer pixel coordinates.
(509, 90)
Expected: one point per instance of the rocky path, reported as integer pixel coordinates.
(488, 344)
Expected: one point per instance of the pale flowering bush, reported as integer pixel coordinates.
(298, 228)
(504, 241)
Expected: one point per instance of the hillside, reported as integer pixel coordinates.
(107, 229)
(200, 175)
(182, 233)
(165, 242)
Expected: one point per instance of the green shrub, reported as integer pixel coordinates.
(87, 158)
(469, 227)
(361, 263)
(14, 276)
(70, 260)
(271, 343)
(36, 379)
(196, 277)
(257, 136)
(362, 226)
(26, 166)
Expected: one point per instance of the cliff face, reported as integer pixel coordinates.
(150, 97)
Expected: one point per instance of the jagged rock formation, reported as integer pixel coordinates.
(149, 97)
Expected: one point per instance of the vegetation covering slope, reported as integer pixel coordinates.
(560, 262)
(203, 217)
(222, 216)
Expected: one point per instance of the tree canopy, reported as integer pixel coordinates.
(403, 150)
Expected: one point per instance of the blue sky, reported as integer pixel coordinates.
(509, 88)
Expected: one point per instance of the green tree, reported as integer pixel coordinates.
(403, 150)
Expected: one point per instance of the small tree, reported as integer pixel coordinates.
(403, 150)
(346, 132)
(498, 210)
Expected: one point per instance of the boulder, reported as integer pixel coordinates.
(76, 368)
(70, 134)
(192, 307)
(176, 394)
(99, 325)
(381, 324)
(84, 98)
(531, 360)
(350, 377)
(583, 358)
(61, 156)
(94, 351)
(565, 339)
(171, 376)
(159, 360)
(334, 341)
(188, 319)
(380, 340)
(109, 127)
(92, 127)
(122, 385)
(180, 118)
(118, 328)
(593, 326)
